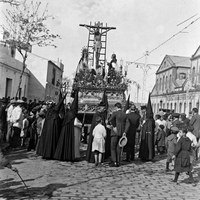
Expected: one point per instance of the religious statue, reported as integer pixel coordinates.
(97, 30)
(83, 63)
(111, 69)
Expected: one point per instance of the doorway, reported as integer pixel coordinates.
(8, 87)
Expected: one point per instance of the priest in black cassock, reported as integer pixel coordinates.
(65, 150)
(51, 131)
(147, 148)
(101, 111)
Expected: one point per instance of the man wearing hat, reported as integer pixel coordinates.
(17, 121)
(131, 128)
(118, 122)
(10, 109)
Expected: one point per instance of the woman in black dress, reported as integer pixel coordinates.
(65, 146)
(51, 131)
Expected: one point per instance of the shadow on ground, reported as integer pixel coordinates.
(14, 156)
(46, 192)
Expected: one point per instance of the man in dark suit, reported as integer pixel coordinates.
(131, 128)
(118, 122)
(195, 122)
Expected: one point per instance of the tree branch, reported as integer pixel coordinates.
(11, 2)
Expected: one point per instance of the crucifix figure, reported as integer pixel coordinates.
(97, 30)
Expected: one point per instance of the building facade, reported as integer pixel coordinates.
(49, 76)
(10, 70)
(170, 90)
(41, 80)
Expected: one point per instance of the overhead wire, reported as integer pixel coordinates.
(42, 57)
(187, 19)
(169, 38)
(149, 52)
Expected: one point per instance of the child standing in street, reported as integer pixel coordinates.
(182, 154)
(160, 139)
(170, 144)
(98, 144)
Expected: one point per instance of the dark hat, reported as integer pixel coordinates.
(36, 108)
(98, 119)
(24, 99)
(176, 115)
(174, 129)
(143, 107)
(183, 114)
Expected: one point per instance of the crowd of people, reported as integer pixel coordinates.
(54, 132)
(178, 136)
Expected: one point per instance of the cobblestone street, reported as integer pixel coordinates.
(50, 179)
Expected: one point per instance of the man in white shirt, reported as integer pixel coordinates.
(17, 121)
(9, 122)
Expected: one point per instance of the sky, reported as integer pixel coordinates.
(141, 25)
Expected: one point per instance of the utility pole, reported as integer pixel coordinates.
(145, 69)
(188, 87)
(138, 88)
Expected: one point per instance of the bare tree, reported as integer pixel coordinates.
(11, 2)
(26, 27)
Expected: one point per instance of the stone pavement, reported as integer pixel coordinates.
(50, 179)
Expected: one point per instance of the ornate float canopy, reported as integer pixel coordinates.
(94, 74)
